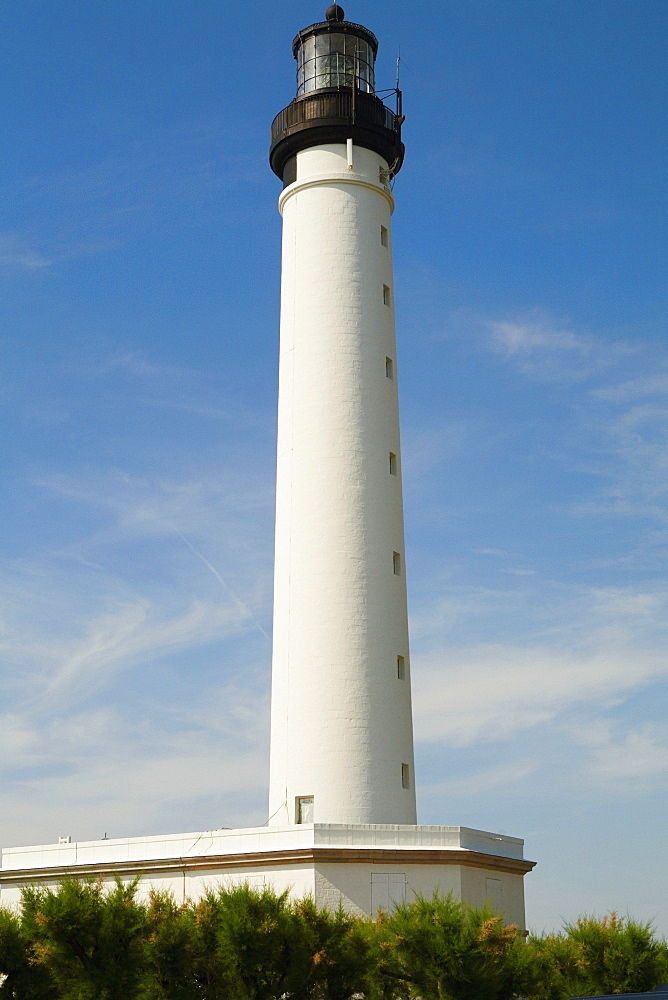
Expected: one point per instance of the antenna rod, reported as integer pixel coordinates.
(398, 92)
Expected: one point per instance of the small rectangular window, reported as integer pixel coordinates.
(304, 809)
(405, 776)
(401, 667)
(384, 237)
(389, 367)
(393, 464)
(386, 295)
(396, 563)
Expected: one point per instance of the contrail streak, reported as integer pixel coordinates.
(239, 603)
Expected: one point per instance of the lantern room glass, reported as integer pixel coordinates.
(334, 59)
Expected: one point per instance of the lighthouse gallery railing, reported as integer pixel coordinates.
(360, 109)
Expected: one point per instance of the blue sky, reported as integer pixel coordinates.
(139, 263)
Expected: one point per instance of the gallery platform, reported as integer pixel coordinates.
(361, 867)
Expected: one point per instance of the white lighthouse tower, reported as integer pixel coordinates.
(342, 824)
(341, 727)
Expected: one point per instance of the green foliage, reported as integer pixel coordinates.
(24, 979)
(552, 968)
(90, 942)
(171, 951)
(82, 942)
(260, 946)
(594, 957)
(616, 955)
(340, 952)
(441, 949)
(247, 949)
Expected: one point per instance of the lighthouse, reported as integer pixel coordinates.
(342, 822)
(341, 726)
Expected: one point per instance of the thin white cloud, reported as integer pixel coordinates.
(501, 553)
(18, 738)
(637, 756)
(241, 606)
(166, 505)
(87, 773)
(633, 389)
(632, 465)
(16, 252)
(544, 350)
(530, 337)
(428, 450)
(492, 692)
(614, 428)
(476, 782)
(564, 647)
(547, 350)
(150, 580)
(120, 638)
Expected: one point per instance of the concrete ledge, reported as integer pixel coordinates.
(305, 856)
(260, 841)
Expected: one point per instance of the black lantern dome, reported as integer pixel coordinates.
(335, 96)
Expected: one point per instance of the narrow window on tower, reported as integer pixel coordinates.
(384, 237)
(405, 776)
(393, 464)
(386, 295)
(389, 367)
(304, 809)
(401, 668)
(396, 563)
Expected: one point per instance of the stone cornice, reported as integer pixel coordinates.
(333, 178)
(267, 859)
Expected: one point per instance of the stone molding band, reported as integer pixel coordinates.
(265, 859)
(341, 178)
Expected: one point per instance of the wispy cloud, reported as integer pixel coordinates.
(492, 692)
(612, 412)
(633, 389)
(532, 337)
(547, 350)
(167, 579)
(119, 639)
(160, 567)
(168, 506)
(99, 771)
(476, 782)
(637, 756)
(17, 252)
(428, 449)
(243, 608)
(564, 650)
(631, 465)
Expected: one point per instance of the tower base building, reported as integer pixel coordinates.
(360, 867)
(342, 814)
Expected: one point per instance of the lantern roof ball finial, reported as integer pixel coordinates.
(335, 13)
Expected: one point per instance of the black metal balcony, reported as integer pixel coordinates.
(332, 116)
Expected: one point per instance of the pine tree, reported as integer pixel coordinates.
(172, 946)
(616, 955)
(442, 949)
(20, 977)
(89, 941)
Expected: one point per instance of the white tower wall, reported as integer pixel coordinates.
(341, 726)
